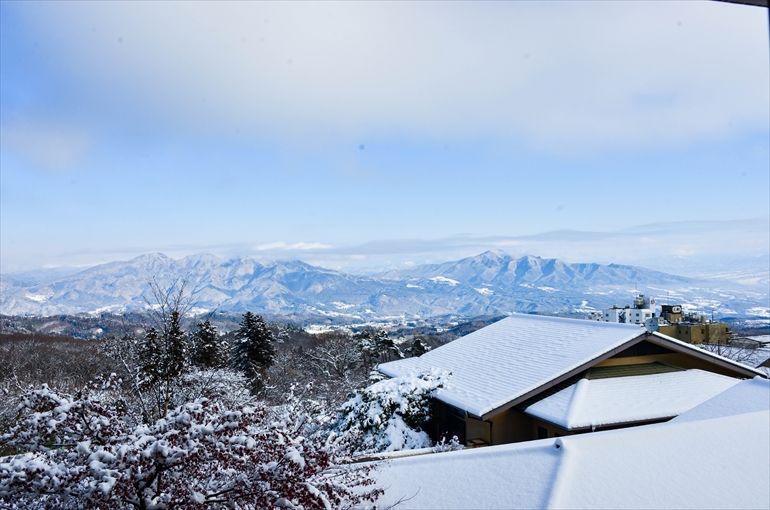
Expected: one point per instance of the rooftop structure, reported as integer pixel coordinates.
(648, 393)
(713, 456)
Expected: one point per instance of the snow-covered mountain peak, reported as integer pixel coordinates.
(492, 282)
(198, 259)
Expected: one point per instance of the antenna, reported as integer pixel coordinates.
(651, 325)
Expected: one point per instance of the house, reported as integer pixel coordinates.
(530, 377)
(716, 455)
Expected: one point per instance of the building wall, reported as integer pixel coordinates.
(674, 359)
(542, 429)
(698, 333)
(511, 426)
(478, 429)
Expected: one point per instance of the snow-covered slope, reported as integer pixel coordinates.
(490, 283)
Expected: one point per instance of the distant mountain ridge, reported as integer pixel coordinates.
(490, 283)
(497, 267)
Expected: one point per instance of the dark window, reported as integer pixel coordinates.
(542, 432)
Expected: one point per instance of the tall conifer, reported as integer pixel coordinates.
(253, 349)
(163, 358)
(209, 352)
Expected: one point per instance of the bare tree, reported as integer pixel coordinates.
(335, 357)
(749, 355)
(163, 302)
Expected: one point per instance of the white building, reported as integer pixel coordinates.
(644, 308)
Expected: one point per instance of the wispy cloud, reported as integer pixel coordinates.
(665, 246)
(677, 246)
(282, 246)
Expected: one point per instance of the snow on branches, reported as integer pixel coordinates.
(76, 450)
(389, 413)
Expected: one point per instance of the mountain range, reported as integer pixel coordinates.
(490, 283)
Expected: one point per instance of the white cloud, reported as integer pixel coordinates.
(557, 75)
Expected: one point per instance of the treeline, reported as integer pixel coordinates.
(173, 414)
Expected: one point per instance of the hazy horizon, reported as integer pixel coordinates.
(677, 248)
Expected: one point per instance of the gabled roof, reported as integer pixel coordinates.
(596, 402)
(716, 460)
(515, 358)
(494, 365)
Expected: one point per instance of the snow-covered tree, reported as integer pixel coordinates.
(376, 346)
(159, 369)
(418, 348)
(84, 451)
(389, 413)
(164, 358)
(208, 351)
(335, 356)
(253, 350)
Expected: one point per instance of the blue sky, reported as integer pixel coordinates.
(369, 134)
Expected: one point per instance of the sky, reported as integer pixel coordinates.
(369, 134)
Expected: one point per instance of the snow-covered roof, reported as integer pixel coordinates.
(720, 461)
(505, 360)
(746, 397)
(614, 400)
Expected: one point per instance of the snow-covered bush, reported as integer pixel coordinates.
(81, 451)
(388, 414)
(228, 387)
(445, 445)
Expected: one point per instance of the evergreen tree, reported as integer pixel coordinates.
(367, 346)
(386, 347)
(376, 346)
(418, 348)
(163, 359)
(253, 350)
(208, 351)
